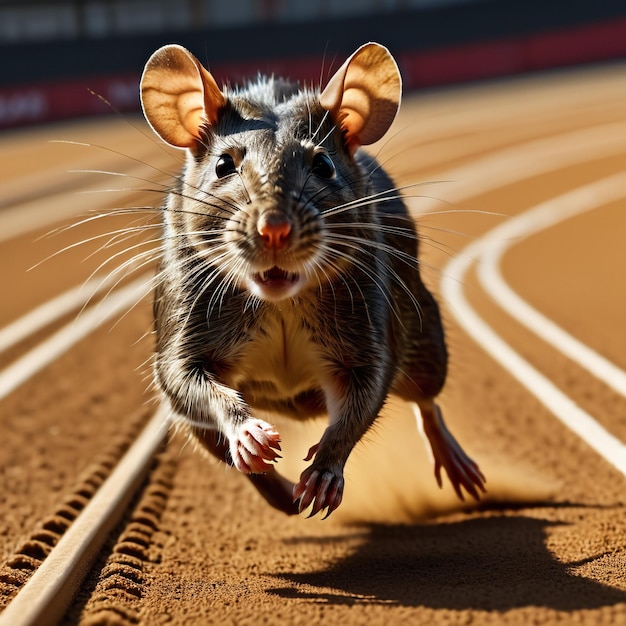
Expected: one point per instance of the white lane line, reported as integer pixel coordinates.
(526, 224)
(61, 341)
(567, 411)
(497, 170)
(138, 178)
(52, 310)
(37, 214)
(523, 161)
(47, 594)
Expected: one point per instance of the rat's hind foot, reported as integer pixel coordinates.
(447, 453)
(253, 446)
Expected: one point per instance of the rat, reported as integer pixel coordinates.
(289, 279)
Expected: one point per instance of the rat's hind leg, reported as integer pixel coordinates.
(275, 489)
(446, 452)
(423, 374)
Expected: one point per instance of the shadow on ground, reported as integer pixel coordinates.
(496, 563)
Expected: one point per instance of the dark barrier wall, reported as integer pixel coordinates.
(434, 46)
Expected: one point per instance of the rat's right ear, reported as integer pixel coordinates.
(178, 96)
(364, 94)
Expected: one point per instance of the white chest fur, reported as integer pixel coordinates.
(281, 361)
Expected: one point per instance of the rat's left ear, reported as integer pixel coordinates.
(363, 96)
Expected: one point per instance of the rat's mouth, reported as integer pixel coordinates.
(276, 277)
(276, 283)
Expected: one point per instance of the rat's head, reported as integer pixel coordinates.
(271, 190)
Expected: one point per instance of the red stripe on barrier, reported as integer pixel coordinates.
(46, 102)
(595, 42)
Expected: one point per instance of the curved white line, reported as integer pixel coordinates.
(61, 341)
(563, 407)
(52, 310)
(526, 224)
(35, 215)
(523, 161)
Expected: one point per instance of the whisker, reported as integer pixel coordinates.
(125, 156)
(370, 274)
(128, 262)
(207, 273)
(361, 244)
(328, 134)
(163, 186)
(319, 127)
(342, 275)
(381, 196)
(462, 212)
(91, 218)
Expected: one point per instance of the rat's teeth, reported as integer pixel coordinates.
(277, 274)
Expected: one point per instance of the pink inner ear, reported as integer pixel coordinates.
(193, 122)
(352, 124)
(191, 112)
(213, 98)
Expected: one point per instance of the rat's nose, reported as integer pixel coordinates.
(274, 230)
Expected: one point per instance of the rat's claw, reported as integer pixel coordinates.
(254, 446)
(321, 488)
(312, 452)
(462, 471)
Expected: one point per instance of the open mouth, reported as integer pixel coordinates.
(276, 277)
(275, 283)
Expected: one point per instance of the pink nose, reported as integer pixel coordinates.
(274, 232)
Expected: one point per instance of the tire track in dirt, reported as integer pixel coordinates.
(114, 591)
(31, 553)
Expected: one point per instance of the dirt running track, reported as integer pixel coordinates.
(197, 545)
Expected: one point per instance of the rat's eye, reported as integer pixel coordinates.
(322, 166)
(225, 166)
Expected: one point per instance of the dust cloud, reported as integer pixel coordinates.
(389, 477)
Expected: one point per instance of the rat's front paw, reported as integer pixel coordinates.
(321, 487)
(254, 446)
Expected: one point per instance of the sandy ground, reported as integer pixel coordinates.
(198, 546)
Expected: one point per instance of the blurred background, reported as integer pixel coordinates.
(55, 54)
